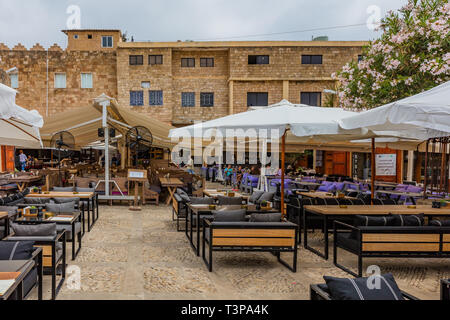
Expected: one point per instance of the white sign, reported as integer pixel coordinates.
(386, 165)
(136, 175)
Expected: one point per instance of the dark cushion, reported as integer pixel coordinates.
(358, 289)
(269, 217)
(38, 230)
(85, 190)
(202, 201)
(65, 200)
(68, 229)
(36, 200)
(267, 196)
(229, 216)
(368, 221)
(255, 196)
(440, 223)
(348, 241)
(61, 208)
(229, 201)
(59, 189)
(22, 250)
(409, 220)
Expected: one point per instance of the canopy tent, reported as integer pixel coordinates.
(83, 123)
(423, 116)
(18, 126)
(306, 124)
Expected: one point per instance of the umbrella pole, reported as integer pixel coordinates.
(373, 168)
(283, 160)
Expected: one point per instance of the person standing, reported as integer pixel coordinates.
(23, 160)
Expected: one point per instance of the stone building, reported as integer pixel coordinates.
(176, 82)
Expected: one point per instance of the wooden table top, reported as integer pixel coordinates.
(171, 182)
(25, 179)
(71, 218)
(3, 215)
(399, 193)
(81, 195)
(322, 195)
(250, 209)
(378, 210)
(215, 194)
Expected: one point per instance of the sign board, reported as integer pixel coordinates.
(386, 165)
(137, 175)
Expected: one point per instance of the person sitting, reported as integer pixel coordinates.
(228, 174)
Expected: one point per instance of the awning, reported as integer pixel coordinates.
(83, 123)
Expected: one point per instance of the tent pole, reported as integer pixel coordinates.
(283, 165)
(425, 182)
(373, 168)
(105, 105)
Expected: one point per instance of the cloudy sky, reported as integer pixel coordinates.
(31, 21)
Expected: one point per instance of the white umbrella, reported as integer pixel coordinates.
(305, 123)
(423, 116)
(18, 126)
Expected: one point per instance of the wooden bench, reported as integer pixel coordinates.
(275, 238)
(390, 242)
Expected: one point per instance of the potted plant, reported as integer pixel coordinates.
(264, 205)
(35, 190)
(34, 210)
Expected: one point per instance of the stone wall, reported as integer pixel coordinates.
(32, 66)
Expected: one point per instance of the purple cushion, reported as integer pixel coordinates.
(414, 189)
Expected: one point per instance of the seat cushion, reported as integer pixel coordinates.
(348, 241)
(68, 229)
(38, 230)
(409, 220)
(65, 200)
(255, 196)
(440, 223)
(66, 189)
(61, 208)
(16, 250)
(269, 217)
(229, 201)
(85, 190)
(229, 216)
(202, 201)
(36, 200)
(358, 289)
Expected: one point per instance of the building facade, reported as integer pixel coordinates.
(176, 82)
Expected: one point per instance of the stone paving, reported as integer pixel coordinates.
(139, 255)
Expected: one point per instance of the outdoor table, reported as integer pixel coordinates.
(23, 267)
(215, 194)
(62, 220)
(330, 213)
(24, 181)
(171, 184)
(204, 211)
(5, 216)
(91, 199)
(311, 186)
(322, 195)
(409, 195)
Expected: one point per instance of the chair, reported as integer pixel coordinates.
(152, 192)
(53, 244)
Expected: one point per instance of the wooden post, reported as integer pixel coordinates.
(425, 181)
(374, 174)
(283, 165)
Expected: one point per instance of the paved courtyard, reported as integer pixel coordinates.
(139, 255)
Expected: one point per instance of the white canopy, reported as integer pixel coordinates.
(423, 116)
(18, 126)
(303, 121)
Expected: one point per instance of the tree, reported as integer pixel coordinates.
(412, 55)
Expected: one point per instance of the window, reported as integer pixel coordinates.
(258, 59)
(257, 99)
(155, 59)
(86, 81)
(207, 62)
(188, 99)
(14, 80)
(207, 99)
(311, 98)
(309, 59)
(188, 63)
(60, 80)
(75, 36)
(156, 98)
(89, 36)
(136, 60)
(136, 98)
(145, 85)
(107, 41)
